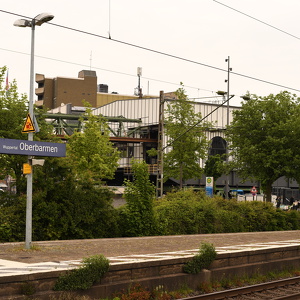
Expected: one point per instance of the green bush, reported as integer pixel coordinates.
(12, 218)
(189, 212)
(92, 270)
(69, 210)
(203, 260)
(73, 212)
(183, 212)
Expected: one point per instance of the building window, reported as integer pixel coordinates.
(218, 146)
(122, 148)
(130, 151)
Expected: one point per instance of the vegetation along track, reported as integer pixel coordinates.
(275, 290)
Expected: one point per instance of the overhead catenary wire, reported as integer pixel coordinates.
(106, 70)
(258, 20)
(162, 53)
(174, 56)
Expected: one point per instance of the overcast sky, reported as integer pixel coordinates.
(203, 33)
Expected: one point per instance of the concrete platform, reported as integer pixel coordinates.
(150, 261)
(135, 250)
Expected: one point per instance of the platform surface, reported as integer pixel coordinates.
(48, 256)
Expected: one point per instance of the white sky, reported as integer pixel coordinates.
(202, 31)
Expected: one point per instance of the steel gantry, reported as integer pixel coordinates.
(66, 124)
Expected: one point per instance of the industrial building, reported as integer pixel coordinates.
(136, 123)
(54, 92)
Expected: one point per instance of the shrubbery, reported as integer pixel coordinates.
(91, 271)
(76, 212)
(64, 212)
(189, 212)
(205, 257)
(12, 217)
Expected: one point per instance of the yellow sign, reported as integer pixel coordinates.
(27, 169)
(28, 125)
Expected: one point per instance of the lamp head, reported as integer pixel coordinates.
(221, 93)
(22, 23)
(43, 18)
(246, 98)
(38, 20)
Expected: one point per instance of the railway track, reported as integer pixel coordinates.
(284, 289)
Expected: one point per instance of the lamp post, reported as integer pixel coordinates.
(37, 21)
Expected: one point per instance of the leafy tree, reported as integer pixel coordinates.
(214, 167)
(13, 111)
(139, 195)
(186, 137)
(264, 139)
(91, 153)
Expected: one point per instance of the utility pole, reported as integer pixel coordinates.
(227, 189)
(160, 173)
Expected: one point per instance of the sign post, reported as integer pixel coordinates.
(209, 187)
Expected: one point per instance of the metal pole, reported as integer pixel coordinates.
(227, 152)
(140, 91)
(160, 163)
(28, 236)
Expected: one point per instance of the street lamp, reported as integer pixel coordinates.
(37, 21)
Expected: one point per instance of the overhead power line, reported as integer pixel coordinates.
(163, 53)
(105, 70)
(260, 21)
(174, 56)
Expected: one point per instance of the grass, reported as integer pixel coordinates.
(21, 248)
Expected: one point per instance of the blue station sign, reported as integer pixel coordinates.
(10, 146)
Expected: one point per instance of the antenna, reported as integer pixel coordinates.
(139, 90)
(109, 19)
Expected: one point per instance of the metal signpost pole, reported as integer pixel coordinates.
(28, 235)
(38, 20)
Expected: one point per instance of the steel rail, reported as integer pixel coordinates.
(250, 289)
(295, 296)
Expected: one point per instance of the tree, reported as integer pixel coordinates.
(91, 153)
(13, 111)
(186, 137)
(264, 139)
(139, 195)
